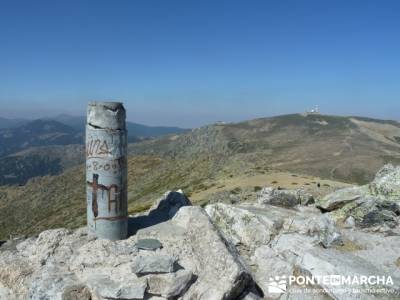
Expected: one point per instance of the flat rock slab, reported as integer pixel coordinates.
(105, 288)
(241, 226)
(322, 262)
(153, 264)
(341, 197)
(148, 244)
(73, 263)
(219, 272)
(169, 285)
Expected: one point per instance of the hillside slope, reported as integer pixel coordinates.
(18, 168)
(8, 123)
(37, 133)
(49, 146)
(218, 163)
(135, 130)
(348, 149)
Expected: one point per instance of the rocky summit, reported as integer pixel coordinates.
(222, 251)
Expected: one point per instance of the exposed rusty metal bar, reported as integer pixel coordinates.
(106, 170)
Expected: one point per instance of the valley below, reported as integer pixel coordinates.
(234, 248)
(234, 206)
(220, 162)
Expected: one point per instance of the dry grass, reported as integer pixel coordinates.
(349, 246)
(264, 152)
(274, 179)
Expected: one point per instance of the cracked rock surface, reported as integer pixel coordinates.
(195, 262)
(223, 251)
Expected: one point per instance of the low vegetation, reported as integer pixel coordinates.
(208, 163)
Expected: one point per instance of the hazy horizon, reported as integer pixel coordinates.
(186, 64)
(146, 122)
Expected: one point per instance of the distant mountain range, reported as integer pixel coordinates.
(78, 123)
(49, 146)
(8, 123)
(134, 129)
(217, 162)
(37, 133)
(349, 149)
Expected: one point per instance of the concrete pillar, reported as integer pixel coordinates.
(106, 170)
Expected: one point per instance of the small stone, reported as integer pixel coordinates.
(350, 222)
(169, 285)
(378, 217)
(143, 265)
(148, 244)
(278, 197)
(251, 296)
(77, 292)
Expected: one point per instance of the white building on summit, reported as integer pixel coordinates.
(314, 111)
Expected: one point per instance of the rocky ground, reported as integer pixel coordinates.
(223, 251)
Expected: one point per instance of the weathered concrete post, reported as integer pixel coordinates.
(106, 170)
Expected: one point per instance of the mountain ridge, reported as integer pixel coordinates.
(49, 146)
(219, 161)
(141, 129)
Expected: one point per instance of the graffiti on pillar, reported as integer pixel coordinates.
(95, 207)
(113, 197)
(108, 166)
(97, 148)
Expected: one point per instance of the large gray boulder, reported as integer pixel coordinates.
(383, 249)
(387, 183)
(242, 226)
(269, 262)
(221, 273)
(195, 262)
(271, 239)
(170, 203)
(379, 212)
(221, 252)
(369, 212)
(162, 210)
(274, 196)
(375, 206)
(340, 198)
(327, 232)
(330, 262)
(284, 198)
(5, 293)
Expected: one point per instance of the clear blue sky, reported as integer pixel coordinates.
(189, 63)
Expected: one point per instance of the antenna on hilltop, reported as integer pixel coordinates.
(314, 111)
